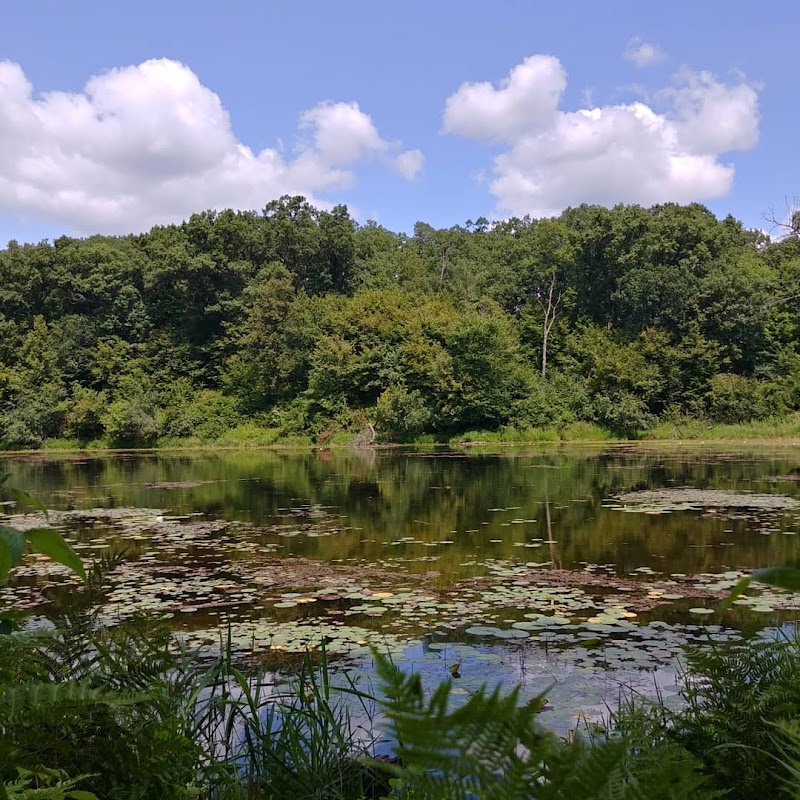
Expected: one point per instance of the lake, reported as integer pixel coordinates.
(581, 571)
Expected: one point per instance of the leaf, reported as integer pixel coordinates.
(738, 589)
(4, 477)
(53, 544)
(780, 577)
(14, 540)
(26, 499)
(79, 794)
(12, 546)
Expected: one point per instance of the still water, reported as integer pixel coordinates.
(544, 566)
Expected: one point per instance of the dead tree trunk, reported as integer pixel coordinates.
(550, 308)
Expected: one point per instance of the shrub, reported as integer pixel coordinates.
(132, 421)
(549, 403)
(621, 412)
(739, 721)
(204, 413)
(84, 418)
(249, 434)
(735, 398)
(18, 432)
(294, 417)
(402, 414)
(34, 416)
(736, 698)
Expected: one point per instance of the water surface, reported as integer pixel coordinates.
(518, 564)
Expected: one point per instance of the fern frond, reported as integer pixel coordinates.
(33, 702)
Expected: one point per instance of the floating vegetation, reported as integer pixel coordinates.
(177, 484)
(664, 501)
(191, 568)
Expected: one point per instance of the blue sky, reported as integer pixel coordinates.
(114, 116)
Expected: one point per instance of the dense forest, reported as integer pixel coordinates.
(299, 324)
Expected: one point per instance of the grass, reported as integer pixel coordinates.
(684, 429)
(780, 428)
(280, 739)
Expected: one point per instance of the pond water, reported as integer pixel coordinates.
(577, 570)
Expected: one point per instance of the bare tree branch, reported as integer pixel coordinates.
(789, 225)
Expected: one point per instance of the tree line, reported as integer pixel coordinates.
(301, 322)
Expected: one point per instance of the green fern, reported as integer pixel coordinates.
(735, 698)
(110, 702)
(32, 703)
(44, 784)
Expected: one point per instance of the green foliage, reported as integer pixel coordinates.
(132, 419)
(783, 577)
(84, 417)
(249, 434)
(486, 375)
(302, 319)
(735, 398)
(13, 542)
(738, 699)
(106, 704)
(401, 415)
(43, 784)
(551, 403)
(204, 414)
(296, 742)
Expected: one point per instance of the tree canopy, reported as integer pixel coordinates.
(301, 320)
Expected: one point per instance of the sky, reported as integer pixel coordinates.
(115, 117)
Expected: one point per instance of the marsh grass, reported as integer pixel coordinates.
(123, 713)
(272, 736)
(252, 435)
(784, 427)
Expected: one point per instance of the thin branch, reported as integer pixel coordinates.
(790, 224)
(780, 300)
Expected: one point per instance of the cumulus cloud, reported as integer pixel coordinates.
(342, 133)
(642, 54)
(610, 154)
(526, 100)
(712, 117)
(149, 143)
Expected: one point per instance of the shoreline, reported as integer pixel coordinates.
(777, 439)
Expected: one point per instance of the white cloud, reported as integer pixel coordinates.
(409, 163)
(610, 154)
(642, 54)
(713, 117)
(342, 133)
(526, 100)
(148, 144)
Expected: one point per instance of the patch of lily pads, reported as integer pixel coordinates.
(185, 566)
(664, 501)
(263, 636)
(212, 576)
